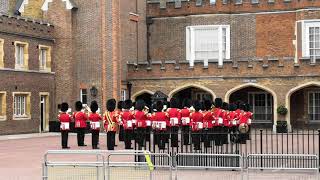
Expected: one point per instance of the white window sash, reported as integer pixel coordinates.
(220, 41)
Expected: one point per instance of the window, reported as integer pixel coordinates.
(123, 95)
(314, 106)
(212, 2)
(83, 96)
(261, 104)
(3, 106)
(21, 55)
(45, 58)
(210, 42)
(238, 1)
(310, 35)
(1, 53)
(21, 106)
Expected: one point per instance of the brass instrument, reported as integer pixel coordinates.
(243, 128)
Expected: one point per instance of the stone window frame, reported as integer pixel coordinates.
(25, 55)
(27, 115)
(123, 94)
(1, 53)
(190, 55)
(3, 112)
(312, 92)
(47, 67)
(253, 93)
(306, 24)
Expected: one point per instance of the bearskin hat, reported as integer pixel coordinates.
(159, 106)
(120, 105)
(186, 103)
(218, 102)
(173, 103)
(242, 107)
(111, 105)
(78, 105)
(64, 107)
(197, 105)
(207, 104)
(225, 106)
(94, 106)
(247, 107)
(232, 107)
(139, 105)
(127, 104)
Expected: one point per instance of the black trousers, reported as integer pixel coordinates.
(174, 136)
(207, 137)
(234, 135)
(161, 139)
(186, 134)
(218, 135)
(225, 131)
(140, 137)
(121, 133)
(127, 138)
(64, 139)
(196, 138)
(80, 136)
(148, 130)
(111, 138)
(95, 138)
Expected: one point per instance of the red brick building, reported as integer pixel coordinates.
(262, 52)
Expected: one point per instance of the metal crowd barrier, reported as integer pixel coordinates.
(281, 162)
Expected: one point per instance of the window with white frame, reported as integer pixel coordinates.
(209, 42)
(19, 55)
(261, 104)
(314, 106)
(2, 105)
(212, 2)
(20, 105)
(123, 95)
(311, 39)
(45, 58)
(84, 96)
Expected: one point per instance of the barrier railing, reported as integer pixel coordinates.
(281, 162)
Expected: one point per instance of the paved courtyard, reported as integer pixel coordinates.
(21, 157)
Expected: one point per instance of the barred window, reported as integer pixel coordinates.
(314, 106)
(20, 105)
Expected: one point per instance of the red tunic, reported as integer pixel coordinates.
(226, 119)
(160, 117)
(174, 115)
(94, 117)
(185, 114)
(80, 119)
(233, 118)
(113, 117)
(64, 118)
(217, 113)
(196, 118)
(141, 118)
(127, 116)
(207, 119)
(243, 118)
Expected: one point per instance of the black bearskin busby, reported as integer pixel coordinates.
(207, 105)
(120, 105)
(232, 107)
(78, 105)
(218, 102)
(186, 103)
(242, 107)
(159, 106)
(225, 106)
(111, 105)
(64, 107)
(94, 106)
(247, 107)
(197, 105)
(173, 103)
(127, 104)
(139, 105)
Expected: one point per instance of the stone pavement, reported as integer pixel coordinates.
(21, 157)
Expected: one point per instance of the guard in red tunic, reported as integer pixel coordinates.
(175, 121)
(111, 123)
(159, 123)
(250, 117)
(80, 119)
(95, 119)
(121, 130)
(208, 123)
(218, 122)
(141, 117)
(234, 118)
(65, 120)
(185, 121)
(196, 125)
(127, 117)
(226, 122)
(243, 124)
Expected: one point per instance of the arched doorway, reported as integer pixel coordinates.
(193, 92)
(261, 101)
(303, 103)
(145, 95)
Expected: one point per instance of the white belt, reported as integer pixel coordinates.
(220, 120)
(129, 123)
(234, 122)
(95, 125)
(160, 124)
(199, 125)
(174, 121)
(65, 126)
(134, 121)
(185, 120)
(148, 123)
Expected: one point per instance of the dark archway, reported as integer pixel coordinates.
(193, 94)
(146, 97)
